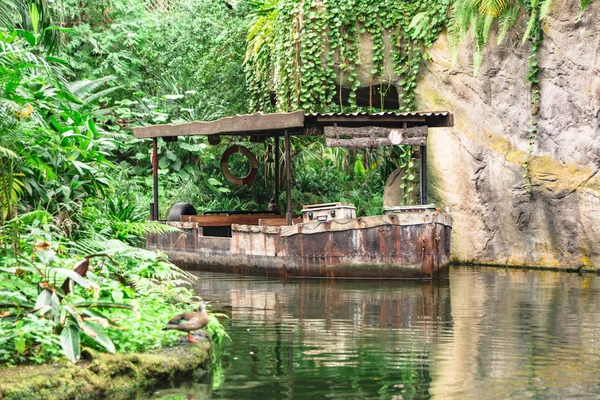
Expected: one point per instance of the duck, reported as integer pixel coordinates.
(189, 322)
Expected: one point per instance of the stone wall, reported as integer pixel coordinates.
(476, 168)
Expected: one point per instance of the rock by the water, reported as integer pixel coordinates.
(476, 167)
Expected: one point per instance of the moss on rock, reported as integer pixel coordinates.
(99, 374)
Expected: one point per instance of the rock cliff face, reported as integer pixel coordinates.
(476, 168)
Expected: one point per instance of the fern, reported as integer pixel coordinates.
(142, 228)
(506, 21)
(531, 23)
(545, 8)
(85, 90)
(488, 22)
(8, 154)
(479, 16)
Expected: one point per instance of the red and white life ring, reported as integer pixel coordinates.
(225, 165)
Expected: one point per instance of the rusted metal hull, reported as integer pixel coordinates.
(414, 245)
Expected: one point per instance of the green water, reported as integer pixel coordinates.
(485, 334)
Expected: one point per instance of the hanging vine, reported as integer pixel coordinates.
(535, 37)
(307, 52)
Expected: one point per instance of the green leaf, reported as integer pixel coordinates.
(117, 295)
(20, 344)
(97, 315)
(214, 182)
(163, 162)
(69, 341)
(75, 317)
(103, 304)
(76, 277)
(44, 299)
(58, 28)
(34, 16)
(417, 19)
(28, 36)
(95, 332)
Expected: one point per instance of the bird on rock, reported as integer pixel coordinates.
(190, 321)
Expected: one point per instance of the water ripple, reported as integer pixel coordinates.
(487, 334)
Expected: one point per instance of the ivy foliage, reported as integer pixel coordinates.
(303, 50)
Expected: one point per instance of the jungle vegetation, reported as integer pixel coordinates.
(76, 76)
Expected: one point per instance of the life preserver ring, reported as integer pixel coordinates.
(225, 165)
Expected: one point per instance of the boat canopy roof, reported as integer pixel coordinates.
(295, 123)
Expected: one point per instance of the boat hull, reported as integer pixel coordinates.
(411, 245)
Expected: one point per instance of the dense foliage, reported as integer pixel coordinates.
(65, 278)
(116, 300)
(75, 77)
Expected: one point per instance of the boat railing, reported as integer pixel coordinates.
(238, 212)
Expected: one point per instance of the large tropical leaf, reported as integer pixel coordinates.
(98, 317)
(69, 341)
(44, 299)
(95, 332)
(75, 277)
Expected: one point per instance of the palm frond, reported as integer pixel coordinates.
(545, 8)
(98, 95)
(142, 228)
(85, 90)
(506, 21)
(8, 154)
(492, 8)
(10, 10)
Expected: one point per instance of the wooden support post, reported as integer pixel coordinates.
(155, 175)
(423, 174)
(288, 179)
(277, 169)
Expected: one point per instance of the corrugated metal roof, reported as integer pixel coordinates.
(433, 119)
(383, 113)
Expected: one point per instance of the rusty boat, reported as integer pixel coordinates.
(329, 240)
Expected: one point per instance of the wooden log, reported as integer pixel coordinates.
(362, 143)
(338, 132)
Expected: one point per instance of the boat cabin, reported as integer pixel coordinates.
(328, 240)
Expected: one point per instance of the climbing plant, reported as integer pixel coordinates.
(306, 52)
(535, 37)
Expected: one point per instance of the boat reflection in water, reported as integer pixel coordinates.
(487, 334)
(325, 337)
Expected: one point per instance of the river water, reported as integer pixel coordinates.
(487, 333)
